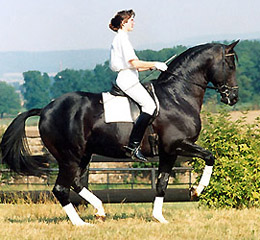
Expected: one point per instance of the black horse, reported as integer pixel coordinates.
(72, 126)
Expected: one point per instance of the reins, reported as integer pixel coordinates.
(152, 71)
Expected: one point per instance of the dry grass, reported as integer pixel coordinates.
(129, 221)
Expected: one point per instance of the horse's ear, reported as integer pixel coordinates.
(231, 46)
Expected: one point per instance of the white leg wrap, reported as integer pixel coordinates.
(93, 200)
(157, 210)
(204, 181)
(73, 216)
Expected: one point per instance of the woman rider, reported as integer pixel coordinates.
(124, 61)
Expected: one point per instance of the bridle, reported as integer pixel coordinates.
(225, 90)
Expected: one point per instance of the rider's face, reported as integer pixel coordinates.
(129, 25)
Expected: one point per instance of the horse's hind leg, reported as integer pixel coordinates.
(165, 168)
(86, 194)
(61, 190)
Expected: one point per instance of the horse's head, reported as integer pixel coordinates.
(223, 73)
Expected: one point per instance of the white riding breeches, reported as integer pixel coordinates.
(129, 83)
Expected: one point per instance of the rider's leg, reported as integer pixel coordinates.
(128, 81)
(137, 135)
(143, 98)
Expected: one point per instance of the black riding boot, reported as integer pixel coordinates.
(133, 148)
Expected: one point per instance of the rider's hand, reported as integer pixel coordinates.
(160, 66)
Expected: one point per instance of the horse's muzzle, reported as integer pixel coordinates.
(229, 96)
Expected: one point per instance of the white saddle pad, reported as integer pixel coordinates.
(116, 108)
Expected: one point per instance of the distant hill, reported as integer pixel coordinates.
(51, 62)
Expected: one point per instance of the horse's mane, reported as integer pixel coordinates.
(189, 55)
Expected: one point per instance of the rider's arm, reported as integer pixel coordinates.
(142, 65)
(145, 65)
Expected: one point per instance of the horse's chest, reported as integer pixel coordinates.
(180, 127)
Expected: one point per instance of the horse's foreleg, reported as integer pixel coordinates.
(88, 196)
(193, 150)
(161, 186)
(204, 181)
(165, 168)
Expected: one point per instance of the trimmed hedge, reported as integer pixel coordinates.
(235, 181)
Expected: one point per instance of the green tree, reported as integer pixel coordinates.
(104, 77)
(96, 80)
(66, 81)
(248, 71)
(36, 89)
(246, 89)
(9, 100)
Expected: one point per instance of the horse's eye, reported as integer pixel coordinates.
(231, 66)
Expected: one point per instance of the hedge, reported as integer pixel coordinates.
(235, 182)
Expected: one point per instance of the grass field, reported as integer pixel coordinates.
(129, 221)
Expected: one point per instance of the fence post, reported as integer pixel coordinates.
(153, 177)
(108, 180)
(190, 179)
(48, 178)
(133, 179)
(27, 182)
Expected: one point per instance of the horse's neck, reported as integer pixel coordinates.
(185, 89)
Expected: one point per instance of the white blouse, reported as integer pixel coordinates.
(121, 52)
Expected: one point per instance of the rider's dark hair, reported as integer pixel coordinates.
(120, 18)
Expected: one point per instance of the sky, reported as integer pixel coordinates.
(48, 25)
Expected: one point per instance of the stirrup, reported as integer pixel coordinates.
(135, 154)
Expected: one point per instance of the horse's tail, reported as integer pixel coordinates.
(14, 147)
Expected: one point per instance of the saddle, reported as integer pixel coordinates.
(136, 110)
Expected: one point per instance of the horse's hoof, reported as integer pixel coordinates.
(100, 218)
(160, 220)
(83, 224)
(193, 194)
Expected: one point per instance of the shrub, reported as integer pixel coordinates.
(235, 180)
